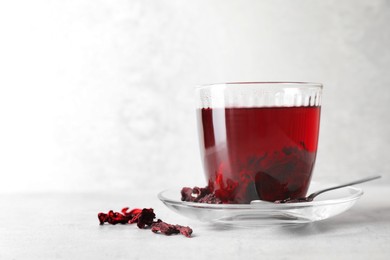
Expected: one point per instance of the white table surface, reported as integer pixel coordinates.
(65, 226)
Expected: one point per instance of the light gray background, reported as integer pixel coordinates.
(98, 95)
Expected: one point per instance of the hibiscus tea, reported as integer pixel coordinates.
(265, 153)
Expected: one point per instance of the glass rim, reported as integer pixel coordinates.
(285, 84)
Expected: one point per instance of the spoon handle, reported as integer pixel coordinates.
(315, 194)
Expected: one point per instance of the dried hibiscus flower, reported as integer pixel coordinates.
(201, 195)
(168, 229)
(144, 219)
(118, 218)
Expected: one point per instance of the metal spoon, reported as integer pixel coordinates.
(315, 194)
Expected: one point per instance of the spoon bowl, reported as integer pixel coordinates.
(315, 194)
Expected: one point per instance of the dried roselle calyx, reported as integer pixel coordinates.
(164, 228)
(144, 219)
(201, 195)
(169, 229)
(186, 231)
(227, 188)
(132, 213)
(194, 194)
(186, 194)
(210, 199)
(103, 218)
(112, 218)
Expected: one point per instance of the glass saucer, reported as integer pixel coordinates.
(324, 206)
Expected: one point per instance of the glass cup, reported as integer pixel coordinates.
(258, 140)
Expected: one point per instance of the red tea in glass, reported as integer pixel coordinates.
(259, 140)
